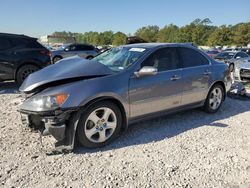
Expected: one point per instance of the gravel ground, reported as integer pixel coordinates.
(188, 149)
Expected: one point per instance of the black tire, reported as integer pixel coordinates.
(24, 71)
(207, 106)
(84, 122)
(231, 67)
(89, 57)
(56, 58)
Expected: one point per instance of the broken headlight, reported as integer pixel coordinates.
(44, 103)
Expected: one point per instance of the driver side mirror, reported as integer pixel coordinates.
(146, 71)
(238, 57)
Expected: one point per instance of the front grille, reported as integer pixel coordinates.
(245, 71)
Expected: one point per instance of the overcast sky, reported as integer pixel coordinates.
(42, 17)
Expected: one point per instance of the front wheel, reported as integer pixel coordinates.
(99, 124)
(214, 99)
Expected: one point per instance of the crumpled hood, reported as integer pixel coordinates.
(65, 70)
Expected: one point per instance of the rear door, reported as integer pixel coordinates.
(150, 94)
(6, 60)
(196, 75)
(71, 50)
(85, 50)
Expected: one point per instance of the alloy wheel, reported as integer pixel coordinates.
(215, 98)
(100, 125)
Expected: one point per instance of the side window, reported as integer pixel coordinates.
(191, 58)
(4, 43)
(84, 47)
(16, 42)
(163, 59)
(241, 55)
(33, 44)
(72, 48)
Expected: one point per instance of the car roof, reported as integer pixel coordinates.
(154, 45)
(16, 35)
(85, 44)
(233, 52)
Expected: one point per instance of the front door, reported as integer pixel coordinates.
(149, 94)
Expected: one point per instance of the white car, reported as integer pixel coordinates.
(242, 70)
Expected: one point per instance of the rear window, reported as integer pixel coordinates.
(25, 43)
(192, 58)
(33, 44)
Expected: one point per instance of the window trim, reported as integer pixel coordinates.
(161, 48)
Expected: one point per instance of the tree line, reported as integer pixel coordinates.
(201, 32)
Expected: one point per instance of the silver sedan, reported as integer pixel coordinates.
(93, 101)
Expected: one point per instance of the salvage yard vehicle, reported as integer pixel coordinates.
(242, 70)
(230, 57)
(21, 55)
(82, 50)
(95, 100)
(212, 53)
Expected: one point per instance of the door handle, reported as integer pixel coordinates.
(207, 72)
(175, 77)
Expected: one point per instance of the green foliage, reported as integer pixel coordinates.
(200, 32)
(119, 38)
(148, 33)
(221, 36)
(169, 33)
(242, 34)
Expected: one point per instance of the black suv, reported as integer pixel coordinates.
(21, 55)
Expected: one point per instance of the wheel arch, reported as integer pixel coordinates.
(25, 64)
(57, 56)
(89, 56)
(220, 83)
(116, 102)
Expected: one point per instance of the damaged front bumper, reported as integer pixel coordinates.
(56, 123)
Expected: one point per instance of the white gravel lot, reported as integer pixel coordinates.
(188, 149)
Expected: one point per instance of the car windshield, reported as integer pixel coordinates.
(225, 55)
(120, 58)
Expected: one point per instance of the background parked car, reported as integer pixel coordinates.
(230, 57)
(212, 53)
(82, 50)
(242, 70)
(246, 50)
(21, 55)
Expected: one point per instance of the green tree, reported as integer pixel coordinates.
(148, 33)
(168, 34)
(221, 36)
(185, 33)
(242, 34)
(119, 38)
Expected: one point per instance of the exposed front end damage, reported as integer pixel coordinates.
(56, 123)
(52, 98)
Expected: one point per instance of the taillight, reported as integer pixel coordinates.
(46, 52)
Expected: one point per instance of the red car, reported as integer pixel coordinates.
(212, 53)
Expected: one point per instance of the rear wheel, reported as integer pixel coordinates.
(57, 58)
(99, 124)
(89, 57)
(214, 99)
(24, 71)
